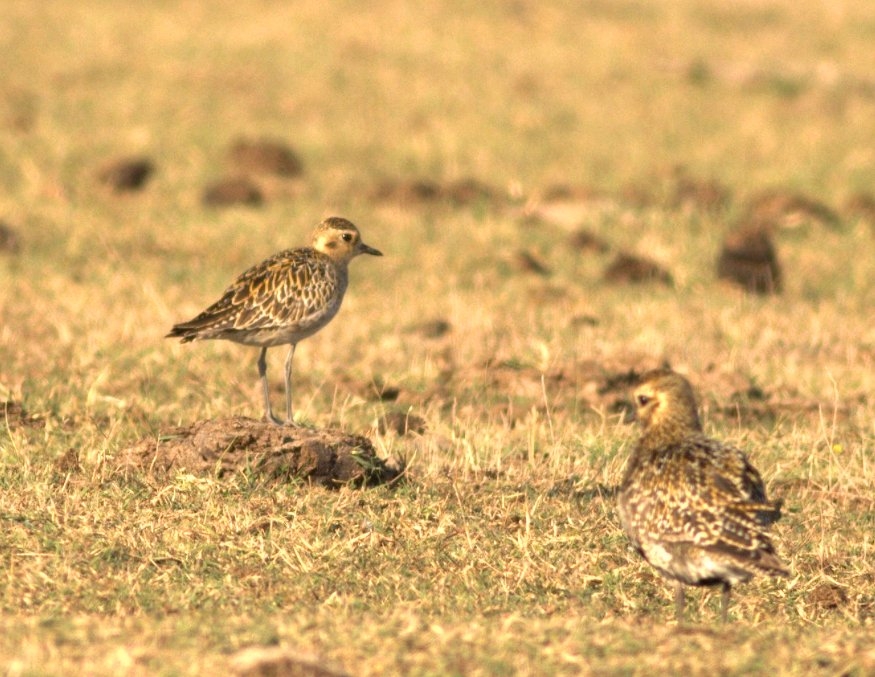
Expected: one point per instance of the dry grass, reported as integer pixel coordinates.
(466, 143)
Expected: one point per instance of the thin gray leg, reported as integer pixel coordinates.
(679, 602)
(265, 389)
(289, 419)
(727, 591)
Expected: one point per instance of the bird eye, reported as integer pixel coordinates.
(347, 237)
(643, 400)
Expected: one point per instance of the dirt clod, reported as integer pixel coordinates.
(586, 240)
(126, 174)
(789, 210)
(265, 156)
(699, 194)
(527, 261)
(861, 205)
(68, 462)
(748, 258)
(631, 269)
(401, 423)
(9, 240)
(235, 190)
(13, 415)
(827, 596)
(435, 328)
(221, 446)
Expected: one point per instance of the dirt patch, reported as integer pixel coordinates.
(748, 259)
(264, 156)
(631, 269)
(527, 261)
(563, 191)
(469, 191)
(406, 192)
(691, 193)
(585, 240)
(235, 190)
(783, 209)
(14, 416)
(68, 462)
(827, 596)
(433, 329)
(412, 192)
(238, 444)
(273, 661)
(402, 423)
(862, 206)
(9, 240)
(636, 195)
(126, 174)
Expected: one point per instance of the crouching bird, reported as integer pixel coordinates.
(694, 508)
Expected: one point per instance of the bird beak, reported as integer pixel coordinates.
(365, 249)
(629, 416)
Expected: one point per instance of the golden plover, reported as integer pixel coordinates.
(283, 299)
(694, 508)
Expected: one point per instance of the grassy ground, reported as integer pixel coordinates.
(502, 553)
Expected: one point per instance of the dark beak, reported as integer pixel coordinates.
(365, 249)
(629, 416)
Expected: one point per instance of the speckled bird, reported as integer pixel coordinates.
(694, 508)
(283, 300)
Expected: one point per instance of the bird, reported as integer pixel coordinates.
(693, 507)
(282, 300)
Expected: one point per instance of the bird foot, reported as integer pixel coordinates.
(273, 420)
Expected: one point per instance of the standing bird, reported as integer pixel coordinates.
(283, 299)
(694, 508)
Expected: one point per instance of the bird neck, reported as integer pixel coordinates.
(671, 431)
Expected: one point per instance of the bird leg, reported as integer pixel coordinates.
(727, 591)
(262, 372)
(289, 419)
(679, 602)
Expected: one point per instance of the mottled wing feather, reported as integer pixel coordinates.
(703, 494)
(287, 288)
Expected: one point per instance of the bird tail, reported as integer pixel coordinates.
(745, 539)
(182, 331)
(763, 513)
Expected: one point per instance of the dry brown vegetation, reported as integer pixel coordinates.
(502, 155)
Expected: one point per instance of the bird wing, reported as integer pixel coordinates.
(287, 288)
(716, 500)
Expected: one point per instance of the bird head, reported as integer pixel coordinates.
(340, 239)
(665, 405)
